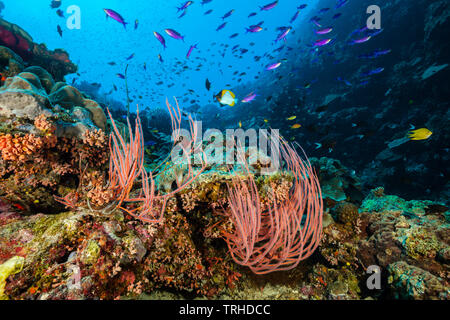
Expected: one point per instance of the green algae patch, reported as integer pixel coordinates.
(91, 253)
(10, 267)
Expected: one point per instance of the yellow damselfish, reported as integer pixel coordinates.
(291, 118)
(419, 134)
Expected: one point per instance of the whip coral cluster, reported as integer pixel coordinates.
(127, 167)
(279, 237)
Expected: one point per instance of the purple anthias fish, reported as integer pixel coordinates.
(229, 13)
(283, 35)
(362, 40)
(344, 80)
(253, 29)
(324, 31)
(121, 76)
(221, 26)
(359, 30)
(374, 71)
(363, 83)
(190, 50)
(269, 6)
(320, 43)
(273, 66)
(249, 98)
(375, 54)
(376, 33)
(183, 14)
(341, 3)
(174, 34)
(295, 17)
(316, 23)
(206, 1)
(185, 6)
(382, 52)
(116, 16)
(160, 38)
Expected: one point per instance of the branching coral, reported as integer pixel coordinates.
(41, 123)
(41, 160)
(95, 138)
(17, 148)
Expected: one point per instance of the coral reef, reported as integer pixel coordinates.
(83, 255)
(52, 139)
(75, 198)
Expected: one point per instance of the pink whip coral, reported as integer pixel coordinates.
(288, 231)
(127, 167)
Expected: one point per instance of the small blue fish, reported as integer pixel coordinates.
(345, 81)
(269, 6)
(374, 71)
(150, 143)
(294, 17)
(341, 3)
(229, 13)
(221, 26)
(373, 34)
(183, 14)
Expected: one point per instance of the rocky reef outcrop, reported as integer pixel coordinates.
(49, 131)
(84, 255)
(56, 62)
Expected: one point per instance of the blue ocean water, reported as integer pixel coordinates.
(102, 40)
(351, 93)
